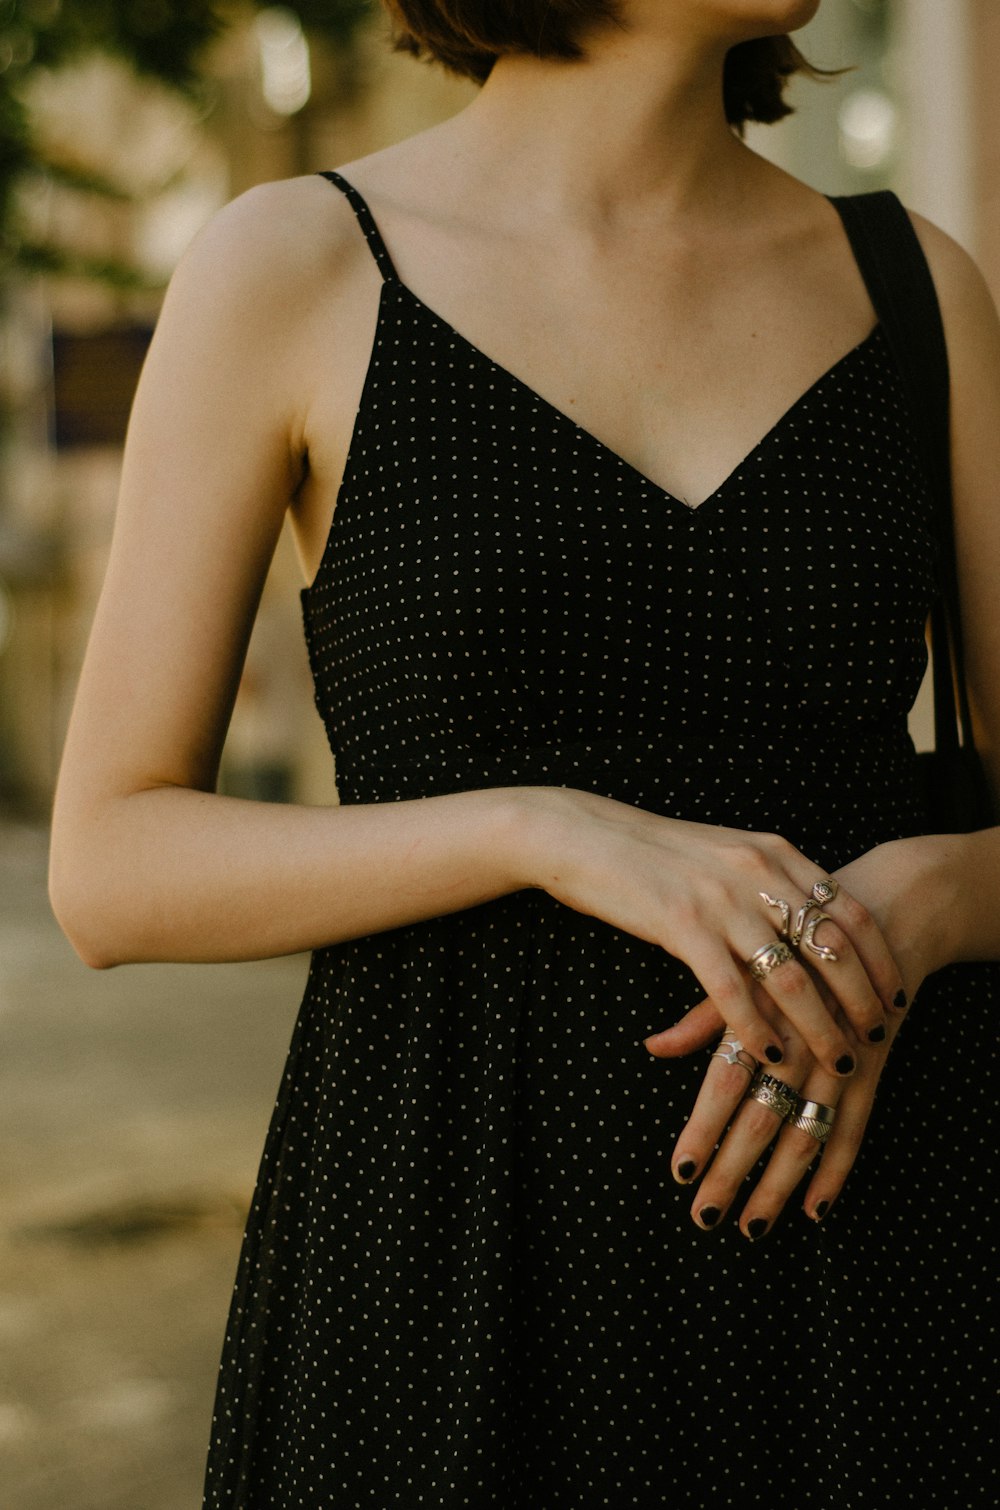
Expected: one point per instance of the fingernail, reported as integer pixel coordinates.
(821, 1210)
(756, 1228)
(899, 1000)
(877, 1034)
(708, 1215)
(844, 1065)
(774, 1053)
(686, 1169)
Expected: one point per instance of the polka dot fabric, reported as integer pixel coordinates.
(467, 1277)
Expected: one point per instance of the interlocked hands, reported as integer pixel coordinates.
(822, 1021)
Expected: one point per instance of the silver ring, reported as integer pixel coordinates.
(785, 908)
(807, 937)
(814, 1118)
(768, 957)
(795, 934)
(824, 891)
(775, 1094)
(732, 1051)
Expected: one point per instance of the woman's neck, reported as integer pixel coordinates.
(638, 129)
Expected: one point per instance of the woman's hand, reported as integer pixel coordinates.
(696, 890)
(900, 883)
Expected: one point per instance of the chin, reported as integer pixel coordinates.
(782, 15)
(768, 18)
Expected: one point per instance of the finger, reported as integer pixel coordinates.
(729, 989)
(698, 1027)
(844, 973)
(796, 1149)
(843, 1144)
(864, 933)
(794, 990)
(722, 1090)
(752, 1130)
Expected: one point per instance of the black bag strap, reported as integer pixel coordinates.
(901, 287)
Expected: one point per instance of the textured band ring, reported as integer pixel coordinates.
(814, 1118)
(768, 957)
(732, 1051)
(774, 1093)
(824, 891)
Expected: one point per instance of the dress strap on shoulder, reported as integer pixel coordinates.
(367, 223)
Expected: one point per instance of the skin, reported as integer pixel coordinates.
(711, 282)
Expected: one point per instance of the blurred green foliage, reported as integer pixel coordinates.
(165, 40)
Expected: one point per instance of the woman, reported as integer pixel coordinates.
(614, 632)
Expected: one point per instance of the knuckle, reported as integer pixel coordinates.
(794, 980)
(775, 844)
(762, 1123)
(832, 936)
(728, 991)
(685, 919)
(856, 915)
(801, 1146)
(732, 1079)
(750, 859)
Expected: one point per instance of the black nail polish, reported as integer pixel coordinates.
(899, 1000)
(844, 1065)
(774, 1053)
(709, 1215)
(877, 1034)
(822, 1209)
(686, 1168)
(757, 1228)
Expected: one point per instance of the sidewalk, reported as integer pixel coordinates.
(133, 1108)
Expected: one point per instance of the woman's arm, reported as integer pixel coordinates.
(147, 861)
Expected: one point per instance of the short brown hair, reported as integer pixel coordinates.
(467, 37)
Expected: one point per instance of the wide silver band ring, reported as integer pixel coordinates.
(775, 1094)
(768, 957)
(814, 1118)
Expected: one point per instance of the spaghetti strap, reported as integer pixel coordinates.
(367, 222)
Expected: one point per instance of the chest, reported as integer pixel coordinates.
(678, 365)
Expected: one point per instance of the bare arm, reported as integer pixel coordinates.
(148, 862)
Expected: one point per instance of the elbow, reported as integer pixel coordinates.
(76, 904)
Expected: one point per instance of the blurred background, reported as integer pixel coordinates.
(133, 1103)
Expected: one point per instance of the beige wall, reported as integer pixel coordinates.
(985, 88)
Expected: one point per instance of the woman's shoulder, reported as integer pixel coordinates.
(968, 306)
(283, 237)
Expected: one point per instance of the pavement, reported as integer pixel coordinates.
(133, 1108)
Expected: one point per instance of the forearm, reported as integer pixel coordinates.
(175, 874)
(969, 891)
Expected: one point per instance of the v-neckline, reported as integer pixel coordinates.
(602, 447)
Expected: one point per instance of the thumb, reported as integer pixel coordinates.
(695, 1030)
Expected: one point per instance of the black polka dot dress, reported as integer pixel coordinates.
(468, 1278)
